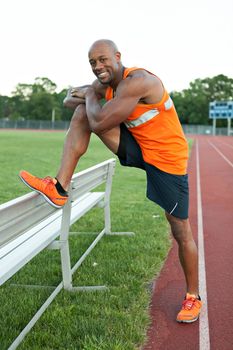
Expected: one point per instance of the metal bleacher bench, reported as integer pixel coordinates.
(28, 225)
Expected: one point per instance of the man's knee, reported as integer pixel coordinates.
(79, 112)
(180, 228)
(173, 220)
(111, 138)
(79, 118)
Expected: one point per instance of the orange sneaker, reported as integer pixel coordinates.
(191, 308)
(46, 187)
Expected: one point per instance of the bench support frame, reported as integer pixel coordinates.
(63, 245)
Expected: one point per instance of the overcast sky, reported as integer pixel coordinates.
(178, 40)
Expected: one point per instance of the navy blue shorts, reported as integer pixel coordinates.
(169, 191)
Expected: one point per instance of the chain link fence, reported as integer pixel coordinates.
(64, 125)
(34, 124)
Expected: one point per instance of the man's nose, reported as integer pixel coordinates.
(99, 65)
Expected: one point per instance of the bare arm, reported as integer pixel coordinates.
(72, 101)
(129, 92)
(76, 96)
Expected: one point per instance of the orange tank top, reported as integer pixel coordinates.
(157, 129)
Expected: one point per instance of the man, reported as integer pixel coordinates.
(140, 125)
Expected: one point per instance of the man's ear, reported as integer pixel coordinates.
(118, 56)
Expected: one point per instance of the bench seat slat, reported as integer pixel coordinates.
(21, 205)
(15, 242)
(25, 221)
(27, 211)
(17, 253)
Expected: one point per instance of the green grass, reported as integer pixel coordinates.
(113, 320)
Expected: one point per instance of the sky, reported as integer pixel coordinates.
(178, 40)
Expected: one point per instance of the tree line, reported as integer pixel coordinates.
(37, 101)
(40, 101)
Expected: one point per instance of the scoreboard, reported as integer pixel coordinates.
(221, 109)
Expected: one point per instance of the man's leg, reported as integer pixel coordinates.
(76, 144)
(188, 256)
(192, 304)
(54, 190)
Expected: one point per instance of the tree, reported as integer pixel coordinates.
(35, 101)
(4, 107)
(38, 100)
(219, 88)
(192, 104)
(44, 85)
(65, 113)
(40, 106)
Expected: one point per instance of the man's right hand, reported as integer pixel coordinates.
(72, 99)
(76, 95)
(79, 92)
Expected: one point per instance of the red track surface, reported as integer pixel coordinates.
(216, 181)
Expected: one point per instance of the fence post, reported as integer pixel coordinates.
(214, 127)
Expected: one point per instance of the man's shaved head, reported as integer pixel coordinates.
(104, 43)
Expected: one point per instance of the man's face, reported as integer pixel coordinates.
(104, 63)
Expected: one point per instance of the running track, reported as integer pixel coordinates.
(211, 217)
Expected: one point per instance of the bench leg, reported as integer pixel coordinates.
(107, 219)
(64, 240)
(66, 266)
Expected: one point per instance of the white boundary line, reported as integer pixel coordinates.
(221, 154)
(204, 338)
(226, 144)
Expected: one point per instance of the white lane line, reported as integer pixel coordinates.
(221, 154)
(204, 338)
(226, 144)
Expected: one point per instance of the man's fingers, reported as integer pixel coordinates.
(76, 93)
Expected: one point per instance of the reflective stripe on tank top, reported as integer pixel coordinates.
(145, 117)
(168, 104)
